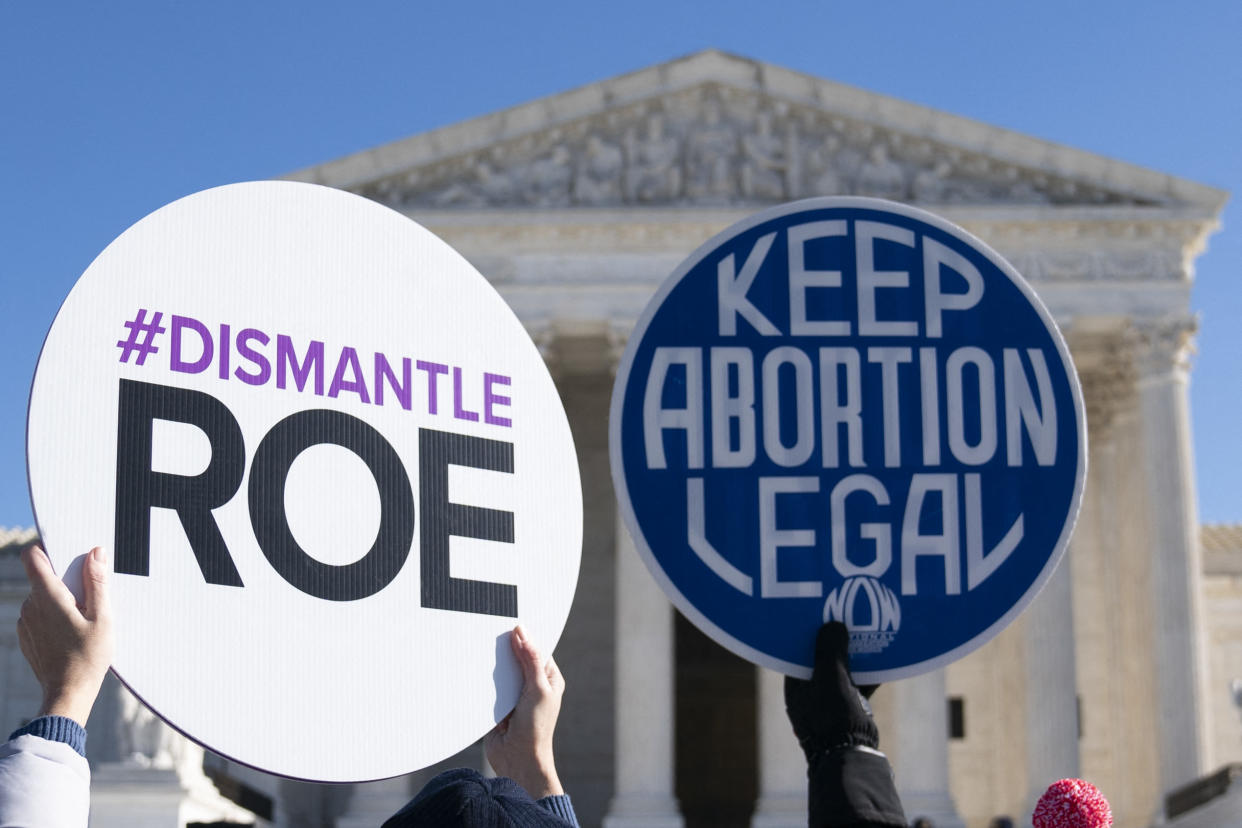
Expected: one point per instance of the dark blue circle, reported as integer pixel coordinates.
(779, 631)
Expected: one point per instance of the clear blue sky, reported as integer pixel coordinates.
(110, 110)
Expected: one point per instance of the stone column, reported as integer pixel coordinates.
(782, 767)
(922, 764)
(643, 797)
(1051, 698)
(1182, 709)
(1048, 623)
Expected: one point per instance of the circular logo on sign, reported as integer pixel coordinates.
(333, 470)
(848, 409)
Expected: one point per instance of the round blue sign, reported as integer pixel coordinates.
(848, 409)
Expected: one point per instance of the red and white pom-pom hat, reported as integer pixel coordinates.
(1072, 803)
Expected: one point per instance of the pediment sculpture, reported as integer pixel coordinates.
(714, 145)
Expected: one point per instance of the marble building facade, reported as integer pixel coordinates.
(576, 207)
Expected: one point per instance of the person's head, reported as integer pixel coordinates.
(922, 822)
(464, 798)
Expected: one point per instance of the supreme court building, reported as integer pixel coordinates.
(576, 207)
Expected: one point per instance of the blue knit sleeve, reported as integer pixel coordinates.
(55, 729)
(562, 807)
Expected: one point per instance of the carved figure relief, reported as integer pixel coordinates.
(711, 151)
(491, 184)
(931, 185)
(716, 147)
(654, 175)
(822, 168)
(548, 184)
(767, 161)
(880, 176)
(1018, 189)
(598, 177)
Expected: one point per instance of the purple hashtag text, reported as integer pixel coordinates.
(141, 338)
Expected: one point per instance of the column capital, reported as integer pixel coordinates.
(544, 334)
(618, 334)
(1108, 375)
(1162, 346)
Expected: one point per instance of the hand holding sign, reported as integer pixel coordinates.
(69, 645)
(828, 711)
(520, 746)
(849, 780)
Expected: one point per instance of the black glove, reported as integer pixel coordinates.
(850, 783)
(829, 712)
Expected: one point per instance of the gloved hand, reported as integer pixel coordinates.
(829, 712)
(849, 782)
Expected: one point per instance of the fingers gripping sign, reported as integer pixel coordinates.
(68, 643)
(520, 746)
(828, 711)
(849, 780)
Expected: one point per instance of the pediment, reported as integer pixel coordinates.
(714, 129)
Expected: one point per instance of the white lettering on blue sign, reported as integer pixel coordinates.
(848, 409)
(971, 385)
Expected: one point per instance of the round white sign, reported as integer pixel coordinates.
(333, 470)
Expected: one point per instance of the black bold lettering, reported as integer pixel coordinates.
(437, 450)
(139, 489)
(276, 453)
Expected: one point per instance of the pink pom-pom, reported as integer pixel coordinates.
(1072, 803)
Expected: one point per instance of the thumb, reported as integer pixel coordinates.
(96, 601)
(528, 659)
(851, 720)
(832, 656)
